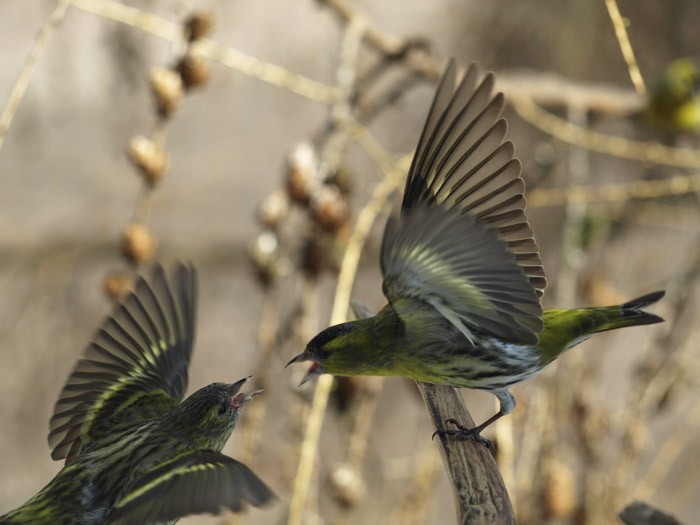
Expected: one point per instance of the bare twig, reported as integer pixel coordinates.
(346, 278)
(20, 87)
(680, 184)
(237, 60)
(610, 145)
(348, 270)
(625, 46)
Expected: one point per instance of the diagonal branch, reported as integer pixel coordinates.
(479, 492)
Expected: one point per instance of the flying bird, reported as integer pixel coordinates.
(135, 452)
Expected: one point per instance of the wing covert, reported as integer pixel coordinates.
(463, 270)
(201, 481)
(135, 367)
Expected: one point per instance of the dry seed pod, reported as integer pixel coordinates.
(347, 485)
(166, 85)
(117, 286)
(329, 207)
(273, 209)
(194, 70)
(149, 157)
(559, 494)
(138, 245)
(198, 25)
(265, 257)
(302, 172)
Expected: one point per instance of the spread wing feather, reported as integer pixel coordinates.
(200, 481)
(462, 162)
(463, 270)
(462, 242)
(136, 366)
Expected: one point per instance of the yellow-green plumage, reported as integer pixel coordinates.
(461, 268)
(134, 453)
(673, 104)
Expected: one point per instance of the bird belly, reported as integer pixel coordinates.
(489, 364)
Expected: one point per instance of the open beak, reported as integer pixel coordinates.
(304, 356)
(237, 399)
(314, 370)
(233, 388)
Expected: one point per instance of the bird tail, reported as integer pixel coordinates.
(565, 329)
(631, 313)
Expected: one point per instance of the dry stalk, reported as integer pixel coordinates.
(346, 277)
(625, 46)
(615, 192)
(413, 56)
(592, 140)
(341, 121)
(169, 86)
(22, 82)
(212, 50)
(254, 416)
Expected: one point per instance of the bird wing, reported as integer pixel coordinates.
(463, 163)
(200, 481)
(463, 270)
(136, 366)
(462, 242)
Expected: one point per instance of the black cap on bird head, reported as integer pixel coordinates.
(318, 350)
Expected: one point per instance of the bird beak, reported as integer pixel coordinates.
(238, 399)
(314, 370)
(304, 356)
(233, 388)
(244, 398)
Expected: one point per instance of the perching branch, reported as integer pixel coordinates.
(479, 492)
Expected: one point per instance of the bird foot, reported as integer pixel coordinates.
(463, 433)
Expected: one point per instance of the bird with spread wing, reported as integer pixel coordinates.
(135, 452)
(462, 272)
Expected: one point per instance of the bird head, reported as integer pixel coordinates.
(209, 415)
(337, 350)
(678, 84)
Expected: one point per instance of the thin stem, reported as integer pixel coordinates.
(22, 82)
(625, 46)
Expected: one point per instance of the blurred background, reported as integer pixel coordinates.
(290, 117)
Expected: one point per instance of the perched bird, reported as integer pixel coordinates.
(673, 104)
(462, 271)
(134, 453)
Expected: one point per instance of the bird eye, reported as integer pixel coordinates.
(223, 408)
(323, 354)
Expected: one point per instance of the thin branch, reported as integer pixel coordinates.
(346, 277)
(625, 46)
(611, 145)
(22, 82)
(614, 191)
(246, 64)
